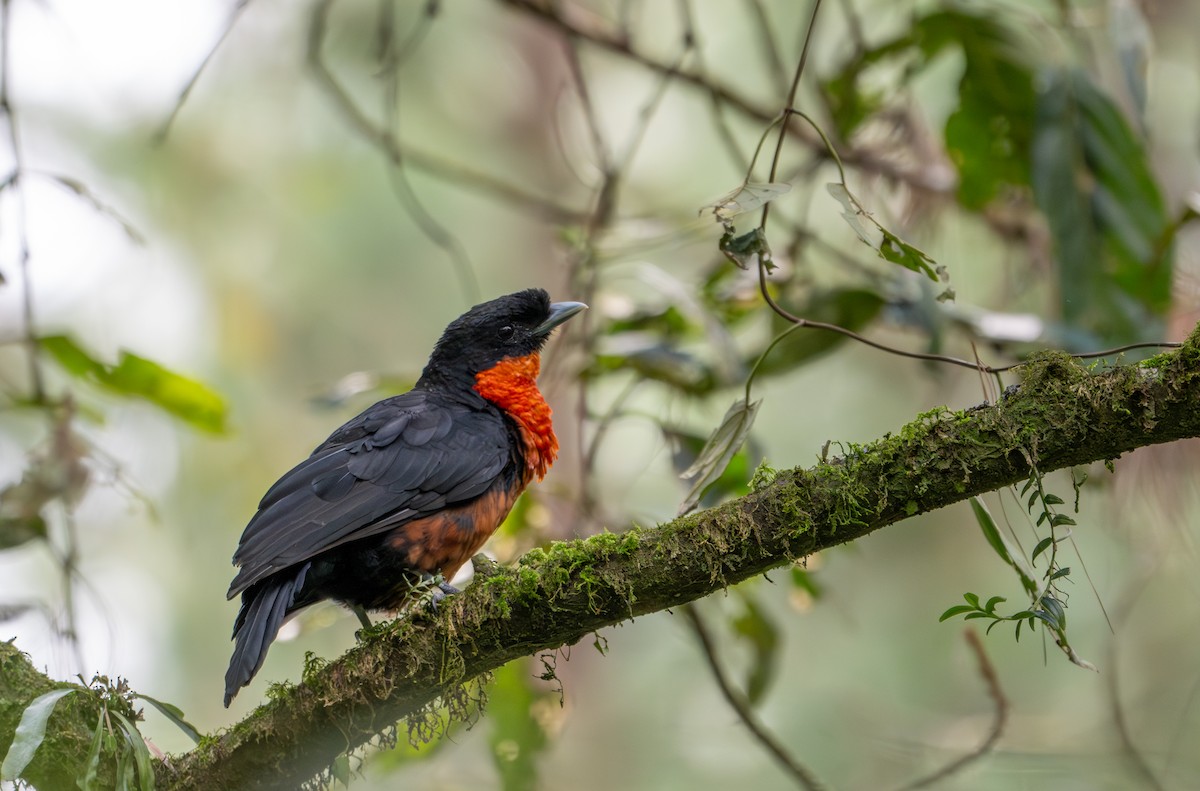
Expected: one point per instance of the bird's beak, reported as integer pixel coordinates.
(559, 312)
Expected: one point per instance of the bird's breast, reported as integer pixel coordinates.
(511, 385)
(443, 541)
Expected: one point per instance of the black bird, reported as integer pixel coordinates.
(408, 490)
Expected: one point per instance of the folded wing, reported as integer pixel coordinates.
(400, 459)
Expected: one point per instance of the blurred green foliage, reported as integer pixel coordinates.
(997, 139)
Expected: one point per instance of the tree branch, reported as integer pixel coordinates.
(578, 24)
(1061, 415)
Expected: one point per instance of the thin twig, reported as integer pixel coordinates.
(646, 113)
(768, 45)
(863, 159)
(591, 119)
(583, 274)
(715, 104)
(944, 358)
(391, 56)
(36, 381)
(999, 718)
(1125, 606)
(854, 24)
(788, 108)
(445, 169)
(384, 139)
(505, 193)
(165, 129)
(84, 193)
(394, 59)
(737, 701)
(606, 420)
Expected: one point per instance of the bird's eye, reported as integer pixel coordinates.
(506, 332)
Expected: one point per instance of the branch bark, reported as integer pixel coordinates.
(1061, 415)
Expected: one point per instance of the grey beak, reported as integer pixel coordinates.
(559, 312)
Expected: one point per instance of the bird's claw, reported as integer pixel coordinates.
(441, 591)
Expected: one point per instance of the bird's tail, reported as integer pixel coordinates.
(264, 606)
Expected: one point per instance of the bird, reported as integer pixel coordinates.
(402, 495)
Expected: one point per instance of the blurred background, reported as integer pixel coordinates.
(235, 225)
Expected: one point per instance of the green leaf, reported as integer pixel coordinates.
(667, 322)
(854, 214)
(71, 357)
(722, 444)
(15, 532)
(686, 449)
(517, 737)
(340, 769)
(898, 251)
(1000, 544)
(30, 733)
(124, 773)
(1053, 499)
(1046, 618)
(660, 362)
(21, 503)
(980, 614)
(1055, 609)
(87, 780)
(1104, 209)
(760, 632)
(990, 531)
(1127, 205)
(1041, 547)
(174, 714)
(804, 580)
(972, 599)
(1058, 520)
(1063, 572)
(135, 376)
(184, 398)
(987, 136)
(957, 609)
(746, 250)
(886, 244)
(1056, 159)
(992, 602)
(141, 753)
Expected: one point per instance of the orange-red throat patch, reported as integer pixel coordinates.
(511, 384)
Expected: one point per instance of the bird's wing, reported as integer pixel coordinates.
(401, 458)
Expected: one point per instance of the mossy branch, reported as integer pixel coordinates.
(1061, 415)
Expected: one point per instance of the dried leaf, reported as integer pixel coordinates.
(746, 198)
(722, 444)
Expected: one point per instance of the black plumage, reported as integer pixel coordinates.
(334, 526)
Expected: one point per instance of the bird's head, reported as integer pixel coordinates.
(512, 326)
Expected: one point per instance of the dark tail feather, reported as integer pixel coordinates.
(264, 606)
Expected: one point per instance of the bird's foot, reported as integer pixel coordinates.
(361, 614)
(438, 590)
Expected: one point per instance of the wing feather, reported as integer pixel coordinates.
(402, 458)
